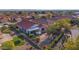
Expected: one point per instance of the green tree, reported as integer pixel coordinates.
(53, 28)
(63, 23)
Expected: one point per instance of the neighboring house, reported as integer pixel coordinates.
(29, 27)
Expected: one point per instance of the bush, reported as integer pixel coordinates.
(8, 45)
(18, 41)
(32, 36)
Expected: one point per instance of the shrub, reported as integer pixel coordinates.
(6, 31)
(18, 41)
(32, 36)
(55, 40)
(8, 45)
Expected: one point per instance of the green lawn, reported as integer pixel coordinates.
(8, 45)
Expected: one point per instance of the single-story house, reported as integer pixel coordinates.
(29, 27)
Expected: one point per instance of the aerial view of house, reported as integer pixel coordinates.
(39, 30)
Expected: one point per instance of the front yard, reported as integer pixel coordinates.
(12, 44)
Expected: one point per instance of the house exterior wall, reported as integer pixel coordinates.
(37, 29)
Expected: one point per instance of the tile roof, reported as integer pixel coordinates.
(25, 24)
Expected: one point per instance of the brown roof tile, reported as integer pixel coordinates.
(25, 24)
